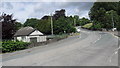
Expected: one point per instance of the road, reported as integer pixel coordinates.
(90, 48)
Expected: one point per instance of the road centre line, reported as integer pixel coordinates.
(97, 39)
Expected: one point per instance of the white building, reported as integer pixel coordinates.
(29, 34)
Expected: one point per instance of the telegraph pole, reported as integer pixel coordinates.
(51, 25)
(74, 22)
(112, 21)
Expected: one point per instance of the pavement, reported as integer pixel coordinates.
(90, 48)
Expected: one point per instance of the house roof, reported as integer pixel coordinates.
(24, 31)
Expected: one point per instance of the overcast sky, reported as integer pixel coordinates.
(24, 10)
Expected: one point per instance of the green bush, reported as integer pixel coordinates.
(97, 26)
(10, 46)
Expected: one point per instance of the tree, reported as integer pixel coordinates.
(76, 20)
(31, 22)
(98, 13)
(111, 19)
(58, 14)
(8, 26)
(71, 20)
(84, 21)
(18, 25)
(44, 26)
(63, 25)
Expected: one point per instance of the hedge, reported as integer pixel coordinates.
(10, 46)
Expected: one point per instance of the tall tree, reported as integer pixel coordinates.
(111, 19)
(58, 14)
(8, 26)
(98, 13)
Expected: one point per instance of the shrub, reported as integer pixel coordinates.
(97, 26)
(10, 46)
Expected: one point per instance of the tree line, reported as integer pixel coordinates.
(61, 24)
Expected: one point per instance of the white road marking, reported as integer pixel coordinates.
(110, 59)
(116, 52)
(97, 39)
(114, 36)
(117, 48)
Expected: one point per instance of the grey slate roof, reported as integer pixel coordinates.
(24, 31)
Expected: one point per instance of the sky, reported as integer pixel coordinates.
(24, 10)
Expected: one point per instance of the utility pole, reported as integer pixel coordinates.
(74, 21)
(51, 25)
(112, 21)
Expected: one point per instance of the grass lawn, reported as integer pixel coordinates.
(87, 25)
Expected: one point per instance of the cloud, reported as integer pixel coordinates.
(24, 10)
(71, 7)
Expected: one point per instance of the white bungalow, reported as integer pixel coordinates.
(29, 34)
